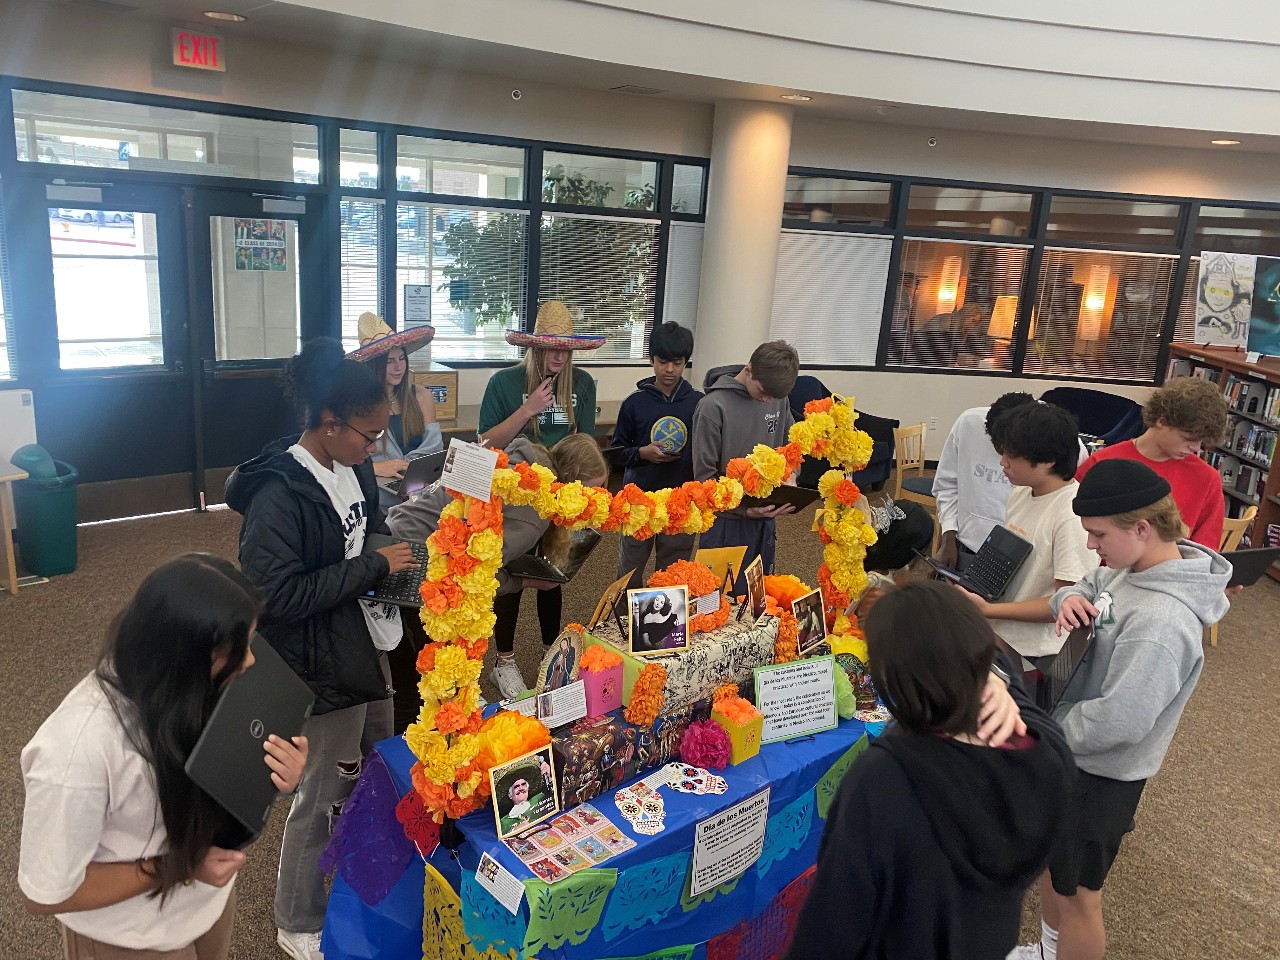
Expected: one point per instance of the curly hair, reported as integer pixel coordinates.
(1189, 405)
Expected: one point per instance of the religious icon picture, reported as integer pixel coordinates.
(658, 620)
(811, 622)
(755, 587)
(524, 792)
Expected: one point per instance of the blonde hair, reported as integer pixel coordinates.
(576, 457)
(535, 371)
(1163, 515)
(414, 421)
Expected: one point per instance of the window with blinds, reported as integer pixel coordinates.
(361, 264)
(956, 304)
(466, 270)
(605, 270)
(8, 364)
(688, 183)
(684, 274)
(1100, 314)
(828, 295)
(1184, 330)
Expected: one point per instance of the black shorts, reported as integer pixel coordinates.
(1096, 822)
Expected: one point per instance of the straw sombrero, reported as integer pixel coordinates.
(553, 330)
(376, 338)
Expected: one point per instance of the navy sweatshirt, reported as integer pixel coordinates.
(647, 416)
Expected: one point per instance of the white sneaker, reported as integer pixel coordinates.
(1027, 951)
(300, 946)
(509, 680)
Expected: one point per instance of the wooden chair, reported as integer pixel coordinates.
(1232, 533)
(909, 481)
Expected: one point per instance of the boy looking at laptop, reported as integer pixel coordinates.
(1149, 606)
(1038, 447)
(737, 413)
(653, 430)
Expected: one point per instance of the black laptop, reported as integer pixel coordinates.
(537, 567)
(1056, 673)
(228, 760)
(992, 568)
(403, 588)
(783, 495)
(1248, 565)
(421, 473)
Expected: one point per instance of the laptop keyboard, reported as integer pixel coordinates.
(990, 571)
(404, 587)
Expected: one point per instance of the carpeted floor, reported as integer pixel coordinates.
(1198, 878)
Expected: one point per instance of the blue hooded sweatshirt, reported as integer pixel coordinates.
(648, 416)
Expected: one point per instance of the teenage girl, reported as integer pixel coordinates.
(117, 841)
(309, 503)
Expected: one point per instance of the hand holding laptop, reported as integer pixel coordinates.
(400, 556)
(1075, 612)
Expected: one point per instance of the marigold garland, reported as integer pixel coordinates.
(647, 695)
(786, 645)
(700, 581)
(454, 749)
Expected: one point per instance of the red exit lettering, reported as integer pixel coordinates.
(202, 51)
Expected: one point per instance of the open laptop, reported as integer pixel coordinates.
(537, 567)
(1056, 673)
(227, 761)
(1248, 565)
(995, 564)
(403, 588)
(421, 473)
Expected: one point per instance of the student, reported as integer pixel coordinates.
(653, 428)
(575, 458)
(1182, 417)
(737, 413)
(1149, 606)
(941, 823)
(412, 430)
(117, 841)
(309, 503)
(1038, 453)
(969, 486)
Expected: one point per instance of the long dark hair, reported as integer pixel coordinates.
(930, 651)
(156, 671)
(321, 378)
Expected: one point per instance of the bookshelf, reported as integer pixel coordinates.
(1245, 457)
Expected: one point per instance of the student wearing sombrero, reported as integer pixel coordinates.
(544, 399)
(412, 430)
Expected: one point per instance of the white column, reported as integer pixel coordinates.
(749, 151)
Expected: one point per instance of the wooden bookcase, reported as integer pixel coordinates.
(1248, 387)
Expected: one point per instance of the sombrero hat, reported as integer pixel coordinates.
(376, 338)
(553, 330)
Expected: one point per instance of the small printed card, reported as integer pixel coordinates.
(500, 882)
(578, 838)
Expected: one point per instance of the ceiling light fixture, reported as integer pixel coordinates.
(223, 15)
(1225, 143)
(798, 97)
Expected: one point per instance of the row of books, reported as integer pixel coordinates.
(1246, 395)
(1243, 478)
(1254, 440)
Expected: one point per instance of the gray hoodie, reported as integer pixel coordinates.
(728, 423)
(1122, 707)
(419, 517)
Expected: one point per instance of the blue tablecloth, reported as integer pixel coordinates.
(637, 902)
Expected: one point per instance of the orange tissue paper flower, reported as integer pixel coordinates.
(785, 588)
(723, 692)
(737, 709)
(597, 658)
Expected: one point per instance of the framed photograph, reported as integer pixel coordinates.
(657, 620)
(755, 587)
(524, 792)
(609, 600)
(560, 663)
(811, 621)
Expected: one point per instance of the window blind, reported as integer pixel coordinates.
(361, 261)
(8, 363)
(684, 274)
(828, 295)
(1185, 329)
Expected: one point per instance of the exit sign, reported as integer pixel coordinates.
(200, 51)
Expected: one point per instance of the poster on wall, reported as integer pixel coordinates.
(261, 244)
(1264, 318)
(1224, 299)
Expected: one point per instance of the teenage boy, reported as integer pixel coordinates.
(1182, 417)
(653, 430)
(737, 413)
(1038, 447)
(1149, 606)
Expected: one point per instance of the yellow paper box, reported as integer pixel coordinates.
(744, 738)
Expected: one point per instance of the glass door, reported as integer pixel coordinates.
(257, 286)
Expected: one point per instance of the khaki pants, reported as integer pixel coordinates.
(214, 944)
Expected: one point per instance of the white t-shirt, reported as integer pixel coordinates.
(91, 798)
(1059, 551)
(340, 483)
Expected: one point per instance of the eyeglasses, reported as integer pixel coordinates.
(368, 440)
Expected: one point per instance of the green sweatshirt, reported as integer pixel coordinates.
(505, 392)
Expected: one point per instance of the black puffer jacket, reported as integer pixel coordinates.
(293, 548)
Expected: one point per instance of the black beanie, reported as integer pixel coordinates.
(1117, 486)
